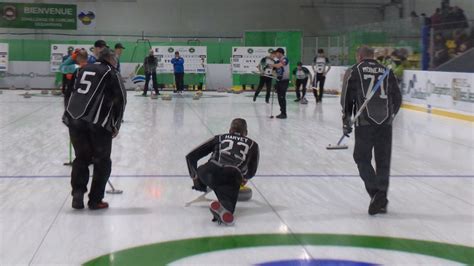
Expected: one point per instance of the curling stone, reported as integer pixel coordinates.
(304, 101)
(245, 193)
(44, 92)
(196, 96)
(238, 91)
(27, 95)
(154, 96)
(27, 88)
(138, 88)
(199, 93)
(56, 92)
(12, 87)
(166, 97)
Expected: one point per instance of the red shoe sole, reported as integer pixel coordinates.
(215, 206)
(228, 218)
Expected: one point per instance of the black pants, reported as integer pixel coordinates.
(268, 84)
(299, 83)
(320, 78)
(379, 140)
(151, 76)
(281, 88)
(92, 145)
(64, 83)
(225, 181)
(179, 81)
(68, 88)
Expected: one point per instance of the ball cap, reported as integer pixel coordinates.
(119, 46)
(280, 50)
(100, 43)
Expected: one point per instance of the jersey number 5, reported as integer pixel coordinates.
(85, 82)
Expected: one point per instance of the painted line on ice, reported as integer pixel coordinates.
(264, 175)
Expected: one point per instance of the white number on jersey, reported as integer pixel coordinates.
(240, 152)
(85, 82)
(383, 95)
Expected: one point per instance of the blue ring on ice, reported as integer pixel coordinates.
(316, 262)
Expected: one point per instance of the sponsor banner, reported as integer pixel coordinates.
(3, 57)
(59, 51)
(246, 59)
(38, 16)
(444, 90)
(195, 58)
(28, 73)
(38, 75)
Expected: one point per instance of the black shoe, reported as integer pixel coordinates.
(98, 205)
(78, 200)
(297, 100)
(378, 204)
(267, 101)
(144, 94)
(281, 116)
(175, 91)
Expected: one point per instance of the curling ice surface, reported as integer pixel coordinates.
(301, 187)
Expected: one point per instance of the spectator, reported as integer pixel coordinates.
(425, 20)
(459, 37)
(436, 18)
(450, 19)
(118, 52)
(440, 53)
(459, 17)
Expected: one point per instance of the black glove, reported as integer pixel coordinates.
(346, 127)
(198, 185)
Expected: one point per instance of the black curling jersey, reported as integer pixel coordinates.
(359, 80)
(227, 150)
(99, 97)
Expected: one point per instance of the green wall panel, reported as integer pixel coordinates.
(39, 50)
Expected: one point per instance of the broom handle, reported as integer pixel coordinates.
(340, 140)
(70, 152)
